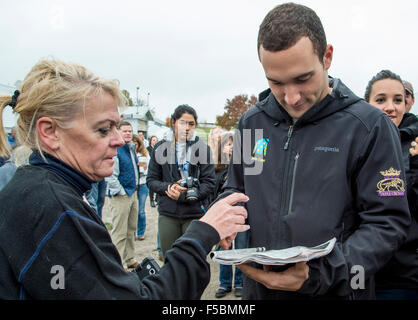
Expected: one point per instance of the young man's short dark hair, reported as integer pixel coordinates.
(286, 24)
(124, 123)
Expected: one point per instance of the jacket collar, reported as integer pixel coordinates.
(340, 98)
(408, 127)
(78, 180)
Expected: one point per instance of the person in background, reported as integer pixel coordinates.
(122, 187)
(224, 148)
(143, 160)
(52, 243)
(410, 96)
(141, 135)
(12, 138)
(180, 156)
(152, 196)
(5, 146)
(214, 134)
(398, 279)
(20, 157)
(408, 118)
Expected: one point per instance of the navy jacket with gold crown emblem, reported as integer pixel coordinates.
(336, 172)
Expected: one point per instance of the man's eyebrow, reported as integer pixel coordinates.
(304, 75)
(297, 77)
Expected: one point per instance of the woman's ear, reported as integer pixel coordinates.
(47, 130)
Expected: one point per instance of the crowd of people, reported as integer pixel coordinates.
(332, 165)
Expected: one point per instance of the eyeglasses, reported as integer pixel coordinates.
(184, 123)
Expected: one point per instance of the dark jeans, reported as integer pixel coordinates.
(101, 193)
(225, 272)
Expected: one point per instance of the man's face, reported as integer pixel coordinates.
(409, 99)
(296, 76)
(126, 133)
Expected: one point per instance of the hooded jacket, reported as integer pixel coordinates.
(163, 171)
(336, 172)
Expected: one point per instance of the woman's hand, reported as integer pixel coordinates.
(226, 218)
(172, 192)
(414, 150)
(143, 165)
(179, 188)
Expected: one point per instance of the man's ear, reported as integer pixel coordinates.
(47, 130)
(329, 52)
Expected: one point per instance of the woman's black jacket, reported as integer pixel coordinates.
(163, 172)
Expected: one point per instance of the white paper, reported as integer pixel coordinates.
(272, 257)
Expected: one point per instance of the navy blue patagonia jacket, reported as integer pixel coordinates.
(336, 172)
(47, 230)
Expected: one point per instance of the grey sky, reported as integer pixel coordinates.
(198, 52)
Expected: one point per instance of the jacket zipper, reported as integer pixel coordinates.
(293, 183)
(283, 207)
(289, 135)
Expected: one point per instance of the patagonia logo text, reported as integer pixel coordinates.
(326, 149)
(391, 185)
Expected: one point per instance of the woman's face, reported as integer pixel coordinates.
(389, 96)
(229, 146)
(184, 127)
(91, 143)
(216, 133)
(153, 141)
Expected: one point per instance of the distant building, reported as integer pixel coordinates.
(142, 119)
(138, 117)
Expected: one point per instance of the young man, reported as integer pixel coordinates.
(122, 188)
(323, 153)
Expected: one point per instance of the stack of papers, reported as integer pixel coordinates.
(272, 257)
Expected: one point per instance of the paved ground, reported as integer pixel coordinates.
(148, 247)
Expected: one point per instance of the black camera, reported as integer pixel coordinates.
(192, 185)
(147, 267)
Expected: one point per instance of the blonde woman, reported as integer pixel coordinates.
(214, 134)
(53, 245)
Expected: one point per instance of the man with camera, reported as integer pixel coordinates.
(181, 173)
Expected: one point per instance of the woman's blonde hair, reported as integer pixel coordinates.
(213, 142)
(57, 90)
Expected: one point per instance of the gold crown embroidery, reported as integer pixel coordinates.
(391, 185)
